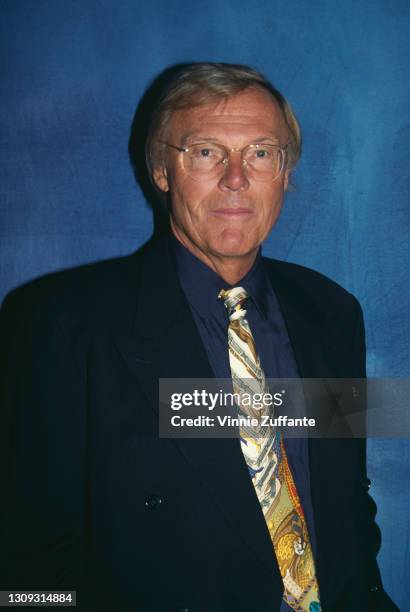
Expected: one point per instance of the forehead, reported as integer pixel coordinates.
(250, 114)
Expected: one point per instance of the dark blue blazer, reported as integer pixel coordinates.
(97, 502)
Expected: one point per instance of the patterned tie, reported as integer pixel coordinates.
(268, 465)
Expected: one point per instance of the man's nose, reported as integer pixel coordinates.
(234, 177)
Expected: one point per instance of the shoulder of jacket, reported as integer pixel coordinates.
(85, 291)
(313, 285)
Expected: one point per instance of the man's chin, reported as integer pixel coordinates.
(234, 242)
(234, 249)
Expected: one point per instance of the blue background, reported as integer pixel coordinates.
(72, 75)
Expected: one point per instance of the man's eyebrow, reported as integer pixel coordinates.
(198, 137)
(271, 137)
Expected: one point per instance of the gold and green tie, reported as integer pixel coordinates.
(265, 455)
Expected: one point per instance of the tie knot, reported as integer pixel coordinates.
(235, 302)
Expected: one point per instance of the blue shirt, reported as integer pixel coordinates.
(201, 286)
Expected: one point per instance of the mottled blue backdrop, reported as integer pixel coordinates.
(72, 74)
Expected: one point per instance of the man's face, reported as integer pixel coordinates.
(230, 215)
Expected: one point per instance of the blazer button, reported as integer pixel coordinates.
(374, 588)
(153, 502)
(366, 484)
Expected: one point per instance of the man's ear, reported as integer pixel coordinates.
(161, 178)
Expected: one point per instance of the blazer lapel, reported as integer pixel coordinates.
(304, 325)
(308, 333)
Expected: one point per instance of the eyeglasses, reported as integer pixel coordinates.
(206, 160)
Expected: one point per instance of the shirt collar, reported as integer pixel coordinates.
(202, 285)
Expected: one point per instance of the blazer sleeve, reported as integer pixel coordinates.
(43, 428)
(368, 533)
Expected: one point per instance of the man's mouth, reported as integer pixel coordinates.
(229, 211)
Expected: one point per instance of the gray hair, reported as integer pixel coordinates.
(203, 83)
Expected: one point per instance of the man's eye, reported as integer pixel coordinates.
(202, 153)
(263, 153)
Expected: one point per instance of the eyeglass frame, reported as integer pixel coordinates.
(225, 161)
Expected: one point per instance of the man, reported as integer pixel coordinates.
(97, 501)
